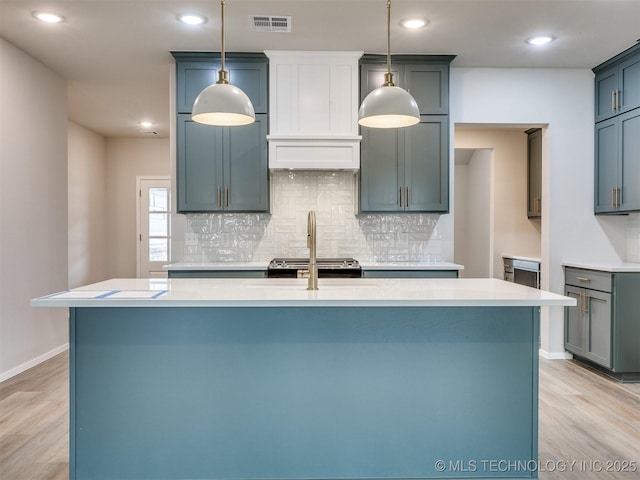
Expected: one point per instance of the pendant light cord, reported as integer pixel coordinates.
(223, 76)
(388, 77)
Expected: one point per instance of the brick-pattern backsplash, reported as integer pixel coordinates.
(340, 232)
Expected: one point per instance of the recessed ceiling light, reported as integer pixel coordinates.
(146, 124)
(48, 17)
(414, 23)
(540, 40)
(192, 19)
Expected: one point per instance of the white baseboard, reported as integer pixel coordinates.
(555, 355)
(32, 363)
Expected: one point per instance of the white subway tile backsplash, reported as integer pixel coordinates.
(633, 238)
(341, 233)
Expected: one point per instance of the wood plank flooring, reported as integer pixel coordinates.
(589, 424)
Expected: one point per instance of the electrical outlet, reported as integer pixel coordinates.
(190, 239)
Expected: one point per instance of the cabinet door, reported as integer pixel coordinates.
(246, 170)
(629, 125)
(606, 84)
(574, 331)
(191, 79)
(426, 165)
(607, 160)
(199, 166)
(534, 166)
(429, 85)
(381, 170)
(629, 84)
(598, 323)
(251, 78)
(372, 77)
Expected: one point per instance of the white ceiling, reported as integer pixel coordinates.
(115, 53)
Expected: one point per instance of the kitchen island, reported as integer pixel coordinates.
(262, 379)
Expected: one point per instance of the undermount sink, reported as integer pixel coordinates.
(301, 283)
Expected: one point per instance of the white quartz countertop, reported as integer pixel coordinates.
(605, 266)
(216, 266)
(285, 292)
(520, 257)
(410, 266)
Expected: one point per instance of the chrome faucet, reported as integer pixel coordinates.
(311, 243)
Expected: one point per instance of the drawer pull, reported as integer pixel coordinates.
(583, 279)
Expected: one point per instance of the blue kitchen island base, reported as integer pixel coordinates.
(304, 392)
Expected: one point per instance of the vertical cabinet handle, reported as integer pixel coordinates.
(226, 196)
(401, 196)
(616, 197)
(407, 200)
(618, 92)
(219, 197)
(613, 100)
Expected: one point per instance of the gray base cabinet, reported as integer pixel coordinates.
(604, 327)
(617, 134)
(410, 273)
(407, 169)
(217, 273)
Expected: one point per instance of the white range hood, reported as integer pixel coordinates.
(313, 110)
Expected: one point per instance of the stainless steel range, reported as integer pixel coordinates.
(327, 267)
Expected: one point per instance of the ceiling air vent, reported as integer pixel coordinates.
(270, 23)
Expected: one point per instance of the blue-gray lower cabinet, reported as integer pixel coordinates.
(410, 273)
(603, 329)
(303, 392)
(617, 175)
(222, 168)
(217, 273)
(407, 169)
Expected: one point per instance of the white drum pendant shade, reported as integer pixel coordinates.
(388, 107)
(223, 104)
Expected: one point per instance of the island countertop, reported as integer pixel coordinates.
(274, 292)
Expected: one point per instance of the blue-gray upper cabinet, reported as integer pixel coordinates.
(534, 172)
(618, 84)
(617, 175)
(197, 70)
(222, 168)
(407, 169)
(617, 133)
(426, 77)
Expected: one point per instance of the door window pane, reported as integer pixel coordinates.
(158, 249)
(158, 224)
(158, 200)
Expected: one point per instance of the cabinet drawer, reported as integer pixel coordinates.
(590, 279)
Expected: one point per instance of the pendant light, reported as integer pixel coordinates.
(223, 104)
(388, 106)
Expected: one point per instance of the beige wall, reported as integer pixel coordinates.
(33, 209)
(128, 158)
(87, 206)
(513, 233)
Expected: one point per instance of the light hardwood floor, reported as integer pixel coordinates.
(589, 424)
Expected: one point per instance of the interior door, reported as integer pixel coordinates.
(154, 226)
